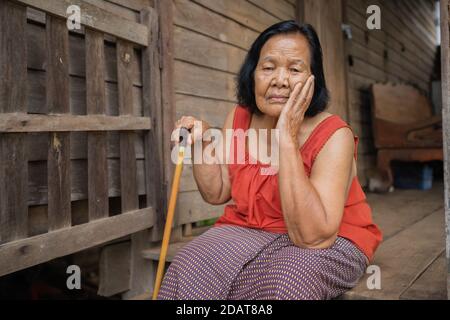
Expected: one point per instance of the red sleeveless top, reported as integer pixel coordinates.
(256, 198)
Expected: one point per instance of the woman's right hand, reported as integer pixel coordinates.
(195, 126)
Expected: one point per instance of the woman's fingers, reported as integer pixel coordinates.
(186, 122)
(310, 93)
(302, 99)
(292, 98)
(195, 126)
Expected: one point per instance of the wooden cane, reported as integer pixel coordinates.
(170, 210)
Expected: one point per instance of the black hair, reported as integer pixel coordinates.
(245, 82)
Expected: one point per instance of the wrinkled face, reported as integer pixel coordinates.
(284, 60)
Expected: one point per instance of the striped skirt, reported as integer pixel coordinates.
(233, 263)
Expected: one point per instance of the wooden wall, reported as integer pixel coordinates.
(402, 51)
(210, 42)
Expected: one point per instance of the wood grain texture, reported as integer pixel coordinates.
(57, 94)
(152, 107)
(127, 153)
(164, 9)
(97, 141)
(114, 269)
(24, 253)
(95, 18)
(17, 122)
(13, 87)
(445, 67)
(327, 17)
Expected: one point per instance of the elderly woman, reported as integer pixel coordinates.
(304, 231)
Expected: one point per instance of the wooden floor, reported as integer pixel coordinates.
(412, 256)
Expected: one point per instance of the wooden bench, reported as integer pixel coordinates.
(404, 127)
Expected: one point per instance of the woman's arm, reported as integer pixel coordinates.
(212, 178)
(313, 207)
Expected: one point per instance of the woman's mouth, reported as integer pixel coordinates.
(278, 99)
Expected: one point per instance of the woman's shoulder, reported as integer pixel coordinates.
(237, 117)
(322, 127)
(329, 121)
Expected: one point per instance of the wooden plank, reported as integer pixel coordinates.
(21, 254)
(13, 163)
(95, 18)
(199, 49)
(57, 92)
(136, 5)
(392, 216)
(152, 107)
(203, 82)
(114, 269)
(128, 179)
(393, 257)
(164, 9)
(445, 68)
(212, 111)
(432, 284)
(97, 141)
(127, 152)
(128, 172)
(243, 12)
(17, 122)
(118, 10)
(281, 10)
(212, 24)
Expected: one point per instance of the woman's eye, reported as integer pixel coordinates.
(295, 70)
(267, 68)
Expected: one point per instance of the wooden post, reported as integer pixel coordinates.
(326, 18)
(96, 104)
(13, 87)
(140, 268)
(164, 8)
(151, 100)
(57, 93)
(445, 64)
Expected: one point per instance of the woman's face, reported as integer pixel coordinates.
(283, 62)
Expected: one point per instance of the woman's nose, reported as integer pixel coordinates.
(281, 78)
